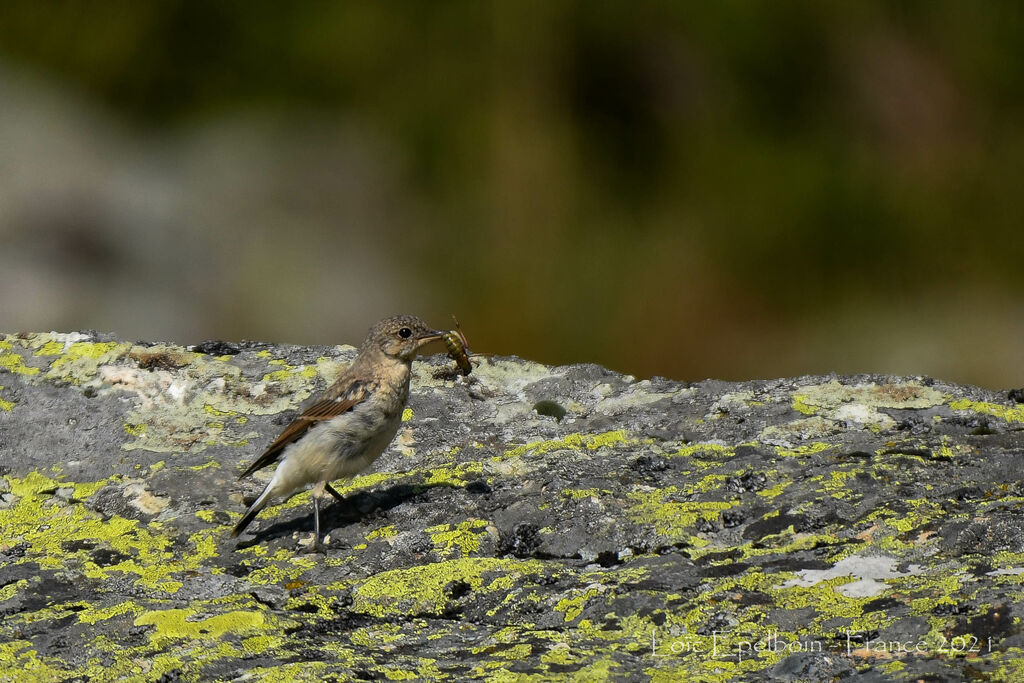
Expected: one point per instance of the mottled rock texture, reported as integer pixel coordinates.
(529, 522)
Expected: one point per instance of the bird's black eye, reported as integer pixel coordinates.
(405, 333)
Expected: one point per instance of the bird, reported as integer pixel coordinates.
(343, 430)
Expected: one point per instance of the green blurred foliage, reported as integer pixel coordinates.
(722, 188)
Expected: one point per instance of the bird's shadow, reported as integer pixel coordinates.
(336, 515)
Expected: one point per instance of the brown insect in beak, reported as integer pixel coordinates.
(458, 347)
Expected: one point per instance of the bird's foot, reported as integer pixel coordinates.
(313, 545)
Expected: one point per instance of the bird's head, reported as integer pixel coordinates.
(401, 336)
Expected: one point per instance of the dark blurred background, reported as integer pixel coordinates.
(725, 189)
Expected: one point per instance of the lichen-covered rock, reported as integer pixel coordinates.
(529, 522)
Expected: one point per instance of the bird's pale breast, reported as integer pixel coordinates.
(347, 444)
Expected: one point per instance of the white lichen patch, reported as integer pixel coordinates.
(736, 403)
(153, 388)
(65, 339)
(1012, 571)
(205, 401)
(142, 499)
(831, 395)
(405, 442)
(791, 433)
(870, 572)
(509, 377)
(505, 413)
(860, 414)
(81, 360)
(330, 369)
(637, 395)
(852, 405)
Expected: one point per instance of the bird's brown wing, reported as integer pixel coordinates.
(334, 402)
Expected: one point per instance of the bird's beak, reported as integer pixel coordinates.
(431, 336)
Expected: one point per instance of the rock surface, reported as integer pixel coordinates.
(529, 522)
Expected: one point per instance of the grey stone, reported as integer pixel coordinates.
(796, 529)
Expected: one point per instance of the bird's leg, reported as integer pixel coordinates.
(316, 546)
(330, 489)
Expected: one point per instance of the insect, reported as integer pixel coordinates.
(458, 347)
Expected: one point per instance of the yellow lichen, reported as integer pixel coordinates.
(210, 410)
(174, 624)
(573, 606)
(13, 363)
(134, 429)
(81, 359)
(462, 536)
(51, 348)
(19, 656)
(690, 449)
(383, 532)
(10, 590)
(571, 442)
(1014, 414)
(91, 616)
(800, 405)
(6, 405)
(808, 449)
(421, 589)
(673, 519)
(48, 526)
(580, 494)
(452, 475)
